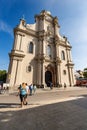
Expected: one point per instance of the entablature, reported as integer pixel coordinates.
(27, 31)
(16, 53)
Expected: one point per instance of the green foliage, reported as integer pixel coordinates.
(3, 75)
(85, 73)
(85, 68)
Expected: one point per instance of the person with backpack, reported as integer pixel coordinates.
(23, 94)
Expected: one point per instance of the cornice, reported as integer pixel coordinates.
(64, 45)
(70, 64)
(26, 31)
(44, 58)
(49, 60)
(17, 53)
(40, 17)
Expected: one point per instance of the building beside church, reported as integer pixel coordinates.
(40, 54)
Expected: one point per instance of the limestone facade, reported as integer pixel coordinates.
(40, 54)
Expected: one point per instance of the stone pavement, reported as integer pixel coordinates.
(47, 89)
(69, 113)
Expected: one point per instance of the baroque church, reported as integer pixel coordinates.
(40, 54)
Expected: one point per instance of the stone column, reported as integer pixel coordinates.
(16, 70)
(42, 63)
(18, 75)
(72, 76)
(39, 73)
(9, 71)
(21, 40)
(15, 76)
(43, 48)
(43, 74)
(13, 72)
(18, 41)
(56, 26)
(70, 66)
(69, 73)
(58, 72)
(15, 41)
(58, 62)
(67, 54)
(40, 47)
(56, 29)
(70, 55)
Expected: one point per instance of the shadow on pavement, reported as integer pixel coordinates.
(8, 105)
(70, 115)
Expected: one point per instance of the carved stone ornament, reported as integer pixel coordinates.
(48, 18)
(49, 39)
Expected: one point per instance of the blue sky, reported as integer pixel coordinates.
(72, 16)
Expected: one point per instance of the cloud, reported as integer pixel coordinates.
(5, 28)
(76, 28)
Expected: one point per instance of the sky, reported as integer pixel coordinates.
(72, 18)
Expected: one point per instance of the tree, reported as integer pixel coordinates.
(85, 73)
(3, 75)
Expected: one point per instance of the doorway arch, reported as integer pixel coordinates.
(48, 77)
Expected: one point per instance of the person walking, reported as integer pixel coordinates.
(22, 91)
(34, 88)
(64, 85)
(51, 85)
(31, 88)
(27, 89)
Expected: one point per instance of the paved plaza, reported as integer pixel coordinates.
(56, 109)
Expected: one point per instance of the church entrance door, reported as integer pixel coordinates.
(48, 78)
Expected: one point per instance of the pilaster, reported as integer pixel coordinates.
(58, 65)
(39, 73)
(18, 41)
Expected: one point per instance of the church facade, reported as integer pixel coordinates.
(40, 54)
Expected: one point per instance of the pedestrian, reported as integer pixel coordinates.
(31, 88)
(34, 88)
(23, 94)
(64, 85)
(27, 89)
(51, 85)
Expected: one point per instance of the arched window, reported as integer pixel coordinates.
(62, 55)
(31, 47)
(49, 50)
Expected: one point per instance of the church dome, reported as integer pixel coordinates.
(46, 12)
